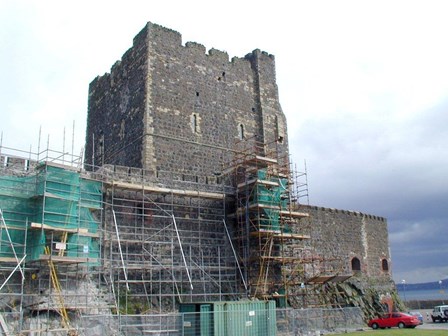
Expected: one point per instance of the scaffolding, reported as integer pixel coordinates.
(166, 244)
(50, 220)
(118, 241)
(273, 228)
(270, 228)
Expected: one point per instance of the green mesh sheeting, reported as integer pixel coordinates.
(82, 247)
(270, 220)
(18, 239)
(15, 199)
(35, 244)
(58, 213)
(21, 187)
(16, 210)
(261, 174)
(267, 195)
(91, 194)
(88, 221)
(275, 198)
(58, 198)
(284, 195)
(56, 181)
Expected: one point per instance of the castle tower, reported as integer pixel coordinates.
(177, 114)
(166, 106)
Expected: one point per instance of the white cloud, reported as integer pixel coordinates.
(363, 85)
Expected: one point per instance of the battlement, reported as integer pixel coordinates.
(155, 32)
(346, 212)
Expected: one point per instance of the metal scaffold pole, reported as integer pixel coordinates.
(236, 257)
(121, 252)
(182, 252)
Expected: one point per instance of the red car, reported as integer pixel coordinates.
(400, 320)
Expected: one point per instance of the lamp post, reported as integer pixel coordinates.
(441, 291)
(404, 289)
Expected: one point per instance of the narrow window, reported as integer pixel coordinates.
(385, 265)
(194, 123)
(121, 134)
(356, 264)
(241, 131)
(101, 147)
(279, 129)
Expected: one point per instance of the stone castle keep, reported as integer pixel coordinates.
(186, 195)
(169, 107)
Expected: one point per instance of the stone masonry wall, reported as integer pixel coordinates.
(346, 235)
(171, 107)
(115, 120)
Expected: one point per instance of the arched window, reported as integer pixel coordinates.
(384, 265)
(356, 264)
(241, 131)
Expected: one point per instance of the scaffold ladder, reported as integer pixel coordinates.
(57, 288)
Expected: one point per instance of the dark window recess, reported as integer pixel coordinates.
(197, 94)
(356, 264)
(241, 131)
(194, 123)
(384, 265)
(223, 75)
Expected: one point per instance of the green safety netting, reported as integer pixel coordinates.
(275, 197)
(56, 197)
(270, 220)
(91, 194)
(21, 187)
(56, 181)
(58, 213)
(83, 247)
(17, 238)
(35, 245)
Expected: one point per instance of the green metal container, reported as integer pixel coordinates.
(236, 318)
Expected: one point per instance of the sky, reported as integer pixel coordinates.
(363, 84)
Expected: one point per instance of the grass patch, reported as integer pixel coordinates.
(399, 332)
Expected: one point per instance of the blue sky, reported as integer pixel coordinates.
(363, 85)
